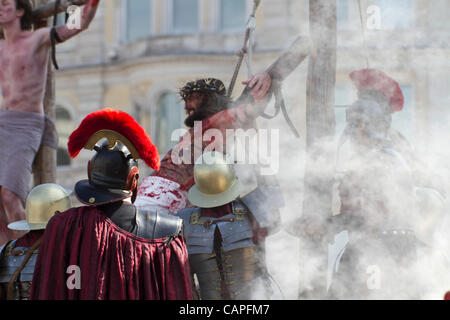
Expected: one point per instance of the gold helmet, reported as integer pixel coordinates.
(215, 182)
(41, 204)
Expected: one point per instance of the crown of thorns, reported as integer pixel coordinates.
(203, 85)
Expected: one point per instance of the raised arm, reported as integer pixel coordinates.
(87, 15)
(65, 32)
(281, 68)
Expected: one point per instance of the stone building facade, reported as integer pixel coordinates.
(137, 53)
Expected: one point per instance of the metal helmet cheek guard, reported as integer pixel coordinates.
(371, 115)
(112, 171)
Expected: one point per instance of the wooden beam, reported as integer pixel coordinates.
(47, 10)
(45, 160)
(320, 153)
(44, 168)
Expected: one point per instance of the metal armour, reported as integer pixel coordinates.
(246, 274)
(200, 239)
(154, 225)
(238, 274)
(8, 266)
(10, 263)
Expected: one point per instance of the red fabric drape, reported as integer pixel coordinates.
(29, 239)
(114, 264)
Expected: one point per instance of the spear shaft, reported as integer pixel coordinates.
(246, 47)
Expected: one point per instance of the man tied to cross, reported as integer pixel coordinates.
(24, 57)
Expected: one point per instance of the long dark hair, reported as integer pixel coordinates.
(26, 22)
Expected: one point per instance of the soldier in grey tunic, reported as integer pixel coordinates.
(18, 257)
(225, 233)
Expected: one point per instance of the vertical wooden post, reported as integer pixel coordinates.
(320, 154)
(45, 161)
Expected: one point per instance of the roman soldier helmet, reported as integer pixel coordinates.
(205, 85)
(119, 141)
(215, 182)
(42, 203)
(378, 97)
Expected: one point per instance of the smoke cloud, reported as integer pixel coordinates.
(396, 189)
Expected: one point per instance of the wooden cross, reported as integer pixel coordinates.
(44, 167)
(320, 126)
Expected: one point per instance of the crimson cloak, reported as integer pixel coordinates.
(114, 264)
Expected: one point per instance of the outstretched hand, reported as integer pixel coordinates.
(260, 84)
(82, 21)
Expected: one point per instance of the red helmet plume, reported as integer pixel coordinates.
(108, 120)
(377, 80)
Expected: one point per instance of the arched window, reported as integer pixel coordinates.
(64, 127)
(169, 117)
